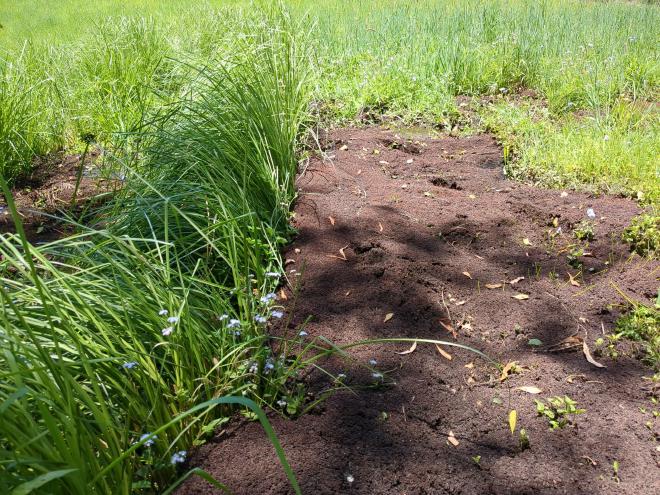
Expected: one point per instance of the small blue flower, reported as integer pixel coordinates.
(281, 403)
(260, 319)
(269, 366)
(237, 333)
(341, 376)
(277, 314)
(130, 365)
(254, 367)
(167, 331)
(373, 362)
(268, 298)
(223, 317)
(377, 376)
(303, 334)
(173, 319)
(151, 439)
(233, 323)
(162, 312)
(178, 457)
(591, 213)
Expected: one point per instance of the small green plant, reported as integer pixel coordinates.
(608, 346)
(643, 235)
(558, 411)
(524, 439)
(574, 255)
(642, 324)
(584, 231)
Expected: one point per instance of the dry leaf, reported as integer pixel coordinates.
(332, 220)
(343, 148)
(388, 317)
(516, 280)
(493, 286)
(467, 274)
(452, 439)
(513, 418)
(555, 222)
(472, 196)
(443, 353)
(343, 255)
(469, 366)
(289, 261)
(507, 368)
(348, 292)
(587, 354)
(446, 324)
(460, 303)
(530, 389)
(297, 250)
(470, 380)
(380, 227)
(572, 280)
(409, 351)
(526, 242)
(283, 295)
(359, 172)
(409, 161)
(521, 297)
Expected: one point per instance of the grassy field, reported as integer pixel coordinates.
(203, 106)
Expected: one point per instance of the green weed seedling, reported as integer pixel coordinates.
(584, 231)
(643, 235)
(558, 410)
(642, 324)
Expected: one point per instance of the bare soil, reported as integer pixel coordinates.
(425, 224)
(45, 196)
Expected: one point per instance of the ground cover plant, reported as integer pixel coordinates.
(197, 116)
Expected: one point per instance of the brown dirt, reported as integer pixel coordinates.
(412, 229)
(43, 196)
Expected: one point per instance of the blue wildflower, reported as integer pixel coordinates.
(179, 457)
(151, 439)
(260, 319)
(233, 323)
(162, 312)
(303, 334)
(173, 319)
(130, 365)
(373, 362)
(277, 314)
(167, 331)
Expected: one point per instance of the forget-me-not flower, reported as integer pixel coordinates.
(167, 331)
(151, 439)
(162, 312)
(130, 365)
(178, 457)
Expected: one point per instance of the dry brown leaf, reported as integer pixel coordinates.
(467, 274)
(587, 354)
(443, 353)
(409, 351)
(388, 317)
(516, 280)
(343, 148)
(289, 261)
(527, 242)
(283, 295)
(297, 250)
(472, 196)
(446, 324)
(452, 439)
(332, 220)
(521, 297)
(470, 380)
(469, 366)
(530, 389)
(493, 286)
(572, 280)
(348, 293)
(380, 227)
(343, 254)
(507, 368)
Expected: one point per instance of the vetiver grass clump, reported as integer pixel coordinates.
(108, 335)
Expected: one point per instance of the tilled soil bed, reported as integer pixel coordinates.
(425, 224)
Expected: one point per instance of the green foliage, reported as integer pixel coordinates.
(584, 231)
(642, 324)
(643, 235)
(558, 411)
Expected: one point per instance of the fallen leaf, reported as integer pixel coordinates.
(359, 172)
(443, 353)
(428, 194)
(409, 351)
(467, 274)
(555, 222)
(505, 371)
(348, 292)
(530, 389)
(446, 324)
(283, 295)
(452, 439)
(516, 280)
(297, 250)
(343, 255)
(289, 261)
(587, 354)
(469, 366)
(376, 152)
(513, 418)
(572, 280)
(460, 303)
(470, 380)
(521, 297)
(493, 286)
(380, 227)
(343, 148)
(388, 317)
(472, 196)
(526, 242)
(332, 220)
(409, 161)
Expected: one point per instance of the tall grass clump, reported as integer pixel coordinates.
(108, 335)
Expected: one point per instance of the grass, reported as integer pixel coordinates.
(109, 334)
(202, 107)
